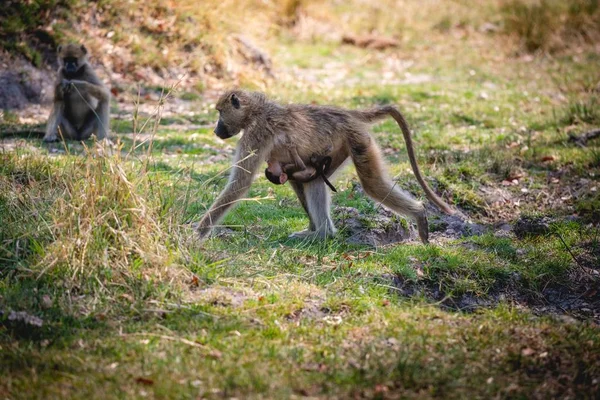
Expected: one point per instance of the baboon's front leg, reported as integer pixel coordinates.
(299, 189)
(57, 121)
(98, 91)
(249, 157)
(56, 115)
(53, 121)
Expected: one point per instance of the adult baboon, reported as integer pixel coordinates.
(311, 128)
(81, 101)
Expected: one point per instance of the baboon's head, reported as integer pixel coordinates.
(72, 57)
(275, 173)
(235, 108)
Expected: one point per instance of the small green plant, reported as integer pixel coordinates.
(588, 207)
(444, 25)
(8, 117)
(582, 111)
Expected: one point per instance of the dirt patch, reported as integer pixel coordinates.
(589, 256)
(221, 296)
(578, 296)
(22, 83)
(453, 226)
(368, 229)
(311, 309)
(532, 226)
(385, 227)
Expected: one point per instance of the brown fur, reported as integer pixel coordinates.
(278, 173)
(311, 127)
(275, 172)
(81, 101)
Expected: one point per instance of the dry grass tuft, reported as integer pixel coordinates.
(551, 25)
(98, 226)
(105, 220)
(94, 222)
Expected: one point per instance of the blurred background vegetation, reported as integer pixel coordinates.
(203, 38)
(105, 293)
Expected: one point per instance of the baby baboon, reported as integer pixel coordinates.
(81, 101)
(298, 171)
(278, 173)
(275, 172)
(310, 128)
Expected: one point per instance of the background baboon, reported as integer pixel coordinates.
(311, 128)
(81, 101)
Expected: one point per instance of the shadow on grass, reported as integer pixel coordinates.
(554, 272)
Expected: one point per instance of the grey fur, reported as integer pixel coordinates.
(311, 128)
(81, 101)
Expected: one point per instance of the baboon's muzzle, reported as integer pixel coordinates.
(222, 131)
(70, 64)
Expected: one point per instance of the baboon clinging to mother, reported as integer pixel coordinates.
(311, 128)
(278, 173)
(81, 101)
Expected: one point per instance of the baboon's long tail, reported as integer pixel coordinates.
(382, 112)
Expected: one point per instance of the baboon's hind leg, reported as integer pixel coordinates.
(377, 184)
(318, 202)
(90, 126)
(299, 189)
(96, 122)
(67, 130)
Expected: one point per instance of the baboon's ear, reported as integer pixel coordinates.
(83, 48)
(59, 48)
(235, 102)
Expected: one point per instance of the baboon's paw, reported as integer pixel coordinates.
(50, 139)
(307, 234)
(303, 234)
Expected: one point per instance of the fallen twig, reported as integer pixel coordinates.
(370, 41)
(569, 250)
(582, 140)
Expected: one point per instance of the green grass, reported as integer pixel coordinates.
(97, 244)
(20, 32)
(263, 315)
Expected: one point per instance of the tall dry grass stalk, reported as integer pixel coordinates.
(93, 222)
